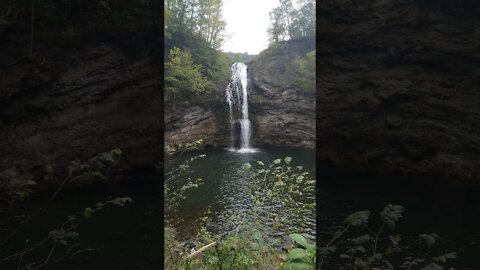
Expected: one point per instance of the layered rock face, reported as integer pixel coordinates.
(188, 122)
(97, 99)
(281, 113)
(398, 86)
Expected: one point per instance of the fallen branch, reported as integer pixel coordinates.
(194, 254)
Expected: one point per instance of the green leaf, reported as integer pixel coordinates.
(22, 194)
(391, 213)
(71, 235)
(361, 239)
(358, 218)
(395, 239)
(325, 251)
(300, 240)
(311, 248)
(298, 255)
(288, 160)
(430, 239)
(126, 199)
(360, 249)
(279, 183)
(48, 168)
(389, 265)
(99, 175)
(87, 212)
(116, 151)
(258, 237)
(296, 266)
(121, 201)
(344, 256)
(443, 258)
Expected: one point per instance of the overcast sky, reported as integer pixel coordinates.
(247, 23)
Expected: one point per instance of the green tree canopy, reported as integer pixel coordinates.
(182, 77)
(198, 26)
(202, 18)
(287, 22)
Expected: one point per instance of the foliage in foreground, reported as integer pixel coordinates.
(178, 181)
(63, 241)
(368, 249)
(248, 244)
(282, 196)
(245, 250)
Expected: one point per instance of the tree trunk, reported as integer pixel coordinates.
(194, 254)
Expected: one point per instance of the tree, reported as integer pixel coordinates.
(238, 57)
(167, 19)
(196, 26)
(286, 22)
(288, 12)
(304, 23)
(182, 76)
(211, 23)
(276, 30)
(199, 17)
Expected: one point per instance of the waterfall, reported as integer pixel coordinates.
(236, 93)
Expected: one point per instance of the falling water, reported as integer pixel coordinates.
(234, 97)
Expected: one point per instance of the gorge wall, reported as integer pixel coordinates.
(191, 121)
(77, 79)
(282, 113)
(96, 99)
(398, 86)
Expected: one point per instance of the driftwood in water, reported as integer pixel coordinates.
(194, 254)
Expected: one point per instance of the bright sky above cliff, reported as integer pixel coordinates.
(247, 23)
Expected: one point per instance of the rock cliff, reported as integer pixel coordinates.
(191, 121)
(94, 100)
(281, 112)
(398, 86)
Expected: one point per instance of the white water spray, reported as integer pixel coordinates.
(234, 97)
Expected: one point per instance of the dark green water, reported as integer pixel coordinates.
(223, 190)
